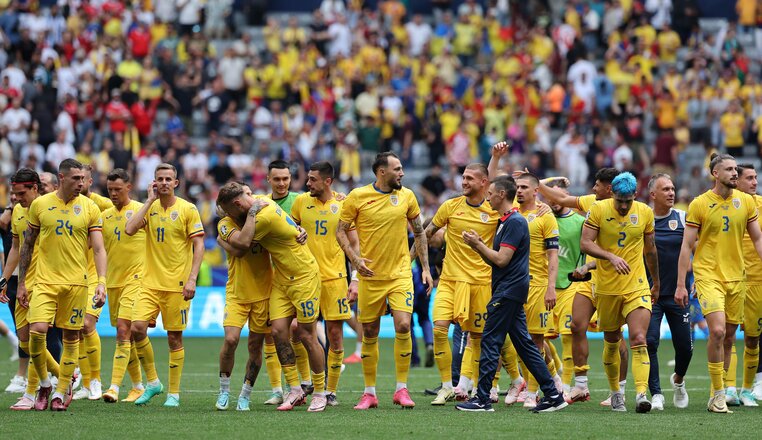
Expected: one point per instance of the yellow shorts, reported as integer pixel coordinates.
(20, 313)
(172, 306)
(538, 319)
(301, 299)
(333, 300)
(613, 309)
(586, 289)
(121, 301)
(722, 296)
(373, 295)
(256, 313)
(562, 312)
(62, 305)
(447, 303)
(752, 310)
(91, 309)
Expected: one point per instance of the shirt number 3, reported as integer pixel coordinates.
(725, 223)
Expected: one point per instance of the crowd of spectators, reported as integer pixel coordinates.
(573, 85)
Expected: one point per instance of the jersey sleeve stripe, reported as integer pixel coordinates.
(592, 226)
(32, 225)
(14, 235)
(692, 224)
(511, 247)
(753, 219)
(95, 228)
(196, 233)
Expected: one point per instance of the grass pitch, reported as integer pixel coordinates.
(197, 417)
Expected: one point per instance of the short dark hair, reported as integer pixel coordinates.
(27, 177)
(118, 173)
(278, 165)
(229, 192)
(529, 176)
(606, 175)
(324, 168)
(478, 166)
(166, 166)
(382, 160)
(715, 160)
(558, 183)
(70, 164)
(744, 166)
(505, 183)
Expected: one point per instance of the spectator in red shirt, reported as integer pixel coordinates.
(140, 41)
(117, 113)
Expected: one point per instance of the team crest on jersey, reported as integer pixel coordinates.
(634, 219)
(485, 217)
(395, 201)
(531, 217)
(77, 209)
(672, 224)
(737, 203)
(224, 230)
(174, 215)
(128, 214)
(334, 208)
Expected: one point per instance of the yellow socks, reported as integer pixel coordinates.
(554, 354)
(476, 353)
(121, 360)
(550, 360)
(496, 380)
(369, 354)
(318, 380)
(466, 364)
(145, 355)
(750, 364)
(84, 364)
(32, 380)
(641, 366)
(732, 372)
(335, 358)
(403, 349)
(93, 352)
(715, 375)
(272, 363)
(176, 363)
(292, 376)
(36, 350)
(510, 359)
(566, 359)
(69, 357)
(611, 361)
(133, 366)
(443, 354)
(302, 361)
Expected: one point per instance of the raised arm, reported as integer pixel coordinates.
(555, 196)
(422, 248)
(652, 260)
(499, 150)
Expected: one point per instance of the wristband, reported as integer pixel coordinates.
(354, 276)
(102, 280)
(3, 282)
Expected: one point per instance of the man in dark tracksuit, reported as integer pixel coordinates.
(669, 225)
(509, 258)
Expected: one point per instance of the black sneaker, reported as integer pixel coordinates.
(474, 405)
(432, 391)
(308, 389)
(550, 404)
(429, 356)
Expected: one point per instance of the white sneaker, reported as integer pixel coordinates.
(757, 390)
(53, 380)
(680, 399)
(559, 383)
(531, 401)
(77, 379)
(514, 391)
(616, 402)
(17, 385)
(82, 393)
(657, 402)
(494, 394)
(642, 405)
(96, 390)
(747, 398)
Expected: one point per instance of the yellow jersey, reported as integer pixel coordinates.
(752, 262)
(381, 222)
(543, 235)
(462, 263)
(277, 233)
(722, 226)
(169, 250)
(19, 225)
(320, 221)
(103, 203)
(125, 254)
(249, 276)
(585, 202)
(64, 231)
(623, 236)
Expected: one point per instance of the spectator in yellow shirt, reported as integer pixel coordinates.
(732, 126)
(669, 42)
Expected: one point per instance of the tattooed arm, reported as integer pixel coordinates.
(652, 260)
(24, 260)
(431, 229)
(422, 249)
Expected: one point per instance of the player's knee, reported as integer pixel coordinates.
(751, 341)
(637, 340)
(371, 331)
(402, 327)
(231, 341)
(138, 330)
(175, 340)
(717, 332)
(578, 326)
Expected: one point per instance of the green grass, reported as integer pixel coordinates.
(197, 418)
